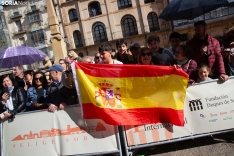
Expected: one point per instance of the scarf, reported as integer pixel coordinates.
(182, 62)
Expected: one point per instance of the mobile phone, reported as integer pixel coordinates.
(6, 90)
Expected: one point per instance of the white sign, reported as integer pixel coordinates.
(208, 108)
(59, 133)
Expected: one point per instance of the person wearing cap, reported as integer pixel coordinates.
(58, 96)
(135, 50)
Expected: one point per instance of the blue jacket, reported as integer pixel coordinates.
(32, 95)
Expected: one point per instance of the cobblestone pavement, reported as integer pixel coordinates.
(221, 145)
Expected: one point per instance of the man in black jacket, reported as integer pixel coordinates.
(58, 96)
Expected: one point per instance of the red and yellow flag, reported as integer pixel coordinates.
(132, 94)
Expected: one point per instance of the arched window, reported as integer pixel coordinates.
(73, 15)
(153, 21)
(77, 39)
(124, 4)
(129, 26)
(99, 33)
(149, 1)
(94, 9)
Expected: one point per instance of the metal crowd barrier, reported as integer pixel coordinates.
(118, 152)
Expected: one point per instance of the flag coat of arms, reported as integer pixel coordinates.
(131, 94)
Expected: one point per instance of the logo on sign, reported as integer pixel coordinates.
(195, 105)
(202, 116)
(212, 115)
(213, 120)
(223, 113)
(57, 132)
(227, 118)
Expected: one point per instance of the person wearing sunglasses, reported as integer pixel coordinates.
(36, 95)
(228, 52)
(12, 99)
(145, 57)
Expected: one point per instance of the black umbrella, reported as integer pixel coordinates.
(190, 9)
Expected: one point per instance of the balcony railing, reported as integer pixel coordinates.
(40, 44)
(32, 9)
(34, 18)
(15, 14)
(19, 30)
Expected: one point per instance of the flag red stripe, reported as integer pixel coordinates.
(137, 116)
(120, 71)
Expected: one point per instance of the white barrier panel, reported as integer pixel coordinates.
(208, 108)
(59, 133)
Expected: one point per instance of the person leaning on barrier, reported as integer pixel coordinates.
(36, 95)
(58, 95)
(206, 50)
(12, 98)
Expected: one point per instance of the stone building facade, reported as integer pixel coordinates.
(87, 23)
(28, 25)
(4, 33)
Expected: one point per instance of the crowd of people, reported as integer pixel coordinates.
(203, 58)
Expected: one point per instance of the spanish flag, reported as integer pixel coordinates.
(132, 94)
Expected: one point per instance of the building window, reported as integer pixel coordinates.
(33, 8)
(1, 23)
(22, 41)
(124, 4)
(34, 17)
(73, 15)
(129, 26)
(18, 25)
(77, 39)
(99, 33)
(149, 1)
(153, 21)
(94, 9)
(38, 35)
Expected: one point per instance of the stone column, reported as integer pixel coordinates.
(57, 40)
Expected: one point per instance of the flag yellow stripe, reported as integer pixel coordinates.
(139, 92)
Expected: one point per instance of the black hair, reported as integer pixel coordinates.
(29, 72)
(228, 38)
(120, 42)
(62, 60)
(10, 77)
(175, 35)
(44, 80)
(153, 38)
(202, 23)
(187, 50)
(106, 46)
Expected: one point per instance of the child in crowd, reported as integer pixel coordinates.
(161, 56)
(105, 50)
(203, 72)
(123, 54)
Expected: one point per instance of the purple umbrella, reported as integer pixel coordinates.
(20, 55)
